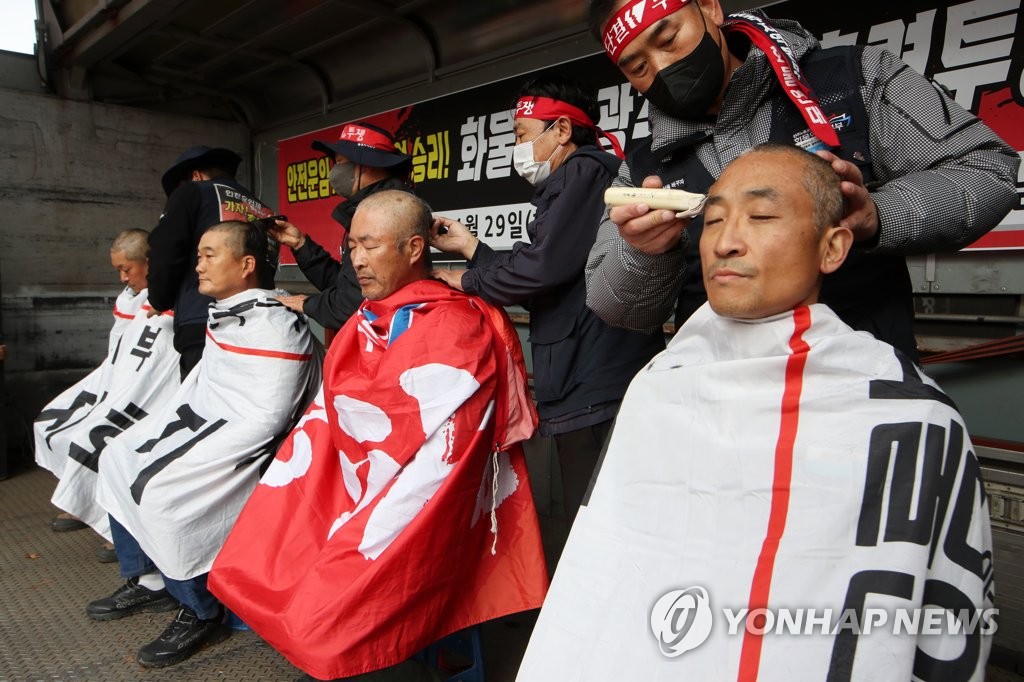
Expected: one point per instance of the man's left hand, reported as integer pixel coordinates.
(293, 302)
(861, 213)
(452, 278)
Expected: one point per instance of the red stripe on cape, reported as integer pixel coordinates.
(789, 421)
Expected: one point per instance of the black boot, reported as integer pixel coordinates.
(186, 635)
(128, 599)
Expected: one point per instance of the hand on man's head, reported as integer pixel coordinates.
(861, 216)
(451, 236)
(287, 234)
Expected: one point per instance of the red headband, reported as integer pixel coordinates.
(366, 137)
(548, 109)
(632, 19)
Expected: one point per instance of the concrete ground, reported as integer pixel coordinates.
(47, 578)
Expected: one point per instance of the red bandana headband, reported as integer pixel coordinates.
(637, 16)
(548, 109)
(632, 19)
(366, 137)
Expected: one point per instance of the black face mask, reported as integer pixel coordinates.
(687, 88)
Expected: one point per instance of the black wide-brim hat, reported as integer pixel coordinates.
(198, 157)
(365, 144)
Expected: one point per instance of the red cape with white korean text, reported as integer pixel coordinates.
(399, 509)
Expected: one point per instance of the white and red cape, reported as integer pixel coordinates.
(139, 373)
(178, 479)
(785, 464)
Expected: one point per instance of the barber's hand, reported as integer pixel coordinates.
(287, 234)
(452, 278)
(451, 236)
(861, 213)
(293, 302)
(153, 312)
(651, 231)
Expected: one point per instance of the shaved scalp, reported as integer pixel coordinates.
(134, 243)
(235, 235)
(404, 215)
(246, 239)
(820, 181)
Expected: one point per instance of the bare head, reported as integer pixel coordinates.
(771, 232)
(388, 242)
(129, 256)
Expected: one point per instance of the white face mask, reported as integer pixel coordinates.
(531, 170)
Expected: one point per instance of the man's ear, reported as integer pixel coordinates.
(835, 245)
(248, 265)
(416, 246)
(563, 128)
(712, 10)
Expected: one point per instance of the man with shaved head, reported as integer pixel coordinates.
(386, 219)
(174, 485)
(411, 452)
(779, 490)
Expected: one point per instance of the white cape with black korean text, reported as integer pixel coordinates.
(178, 480)
(768, 469)
(144, 375)
(76, 402)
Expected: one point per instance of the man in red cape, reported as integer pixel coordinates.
(399, 510)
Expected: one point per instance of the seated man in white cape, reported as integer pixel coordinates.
(782, 498)
(399, 510)
(174, 483)
(72, 431)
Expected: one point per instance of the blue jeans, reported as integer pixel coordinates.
(134, 562)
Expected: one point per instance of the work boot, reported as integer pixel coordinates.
(186, 635)
(128, 599)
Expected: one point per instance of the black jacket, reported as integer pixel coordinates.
(173, 282)
(340, 295)
(579, 362)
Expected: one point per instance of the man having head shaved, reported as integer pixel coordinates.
(775, 467)
(920, 174)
